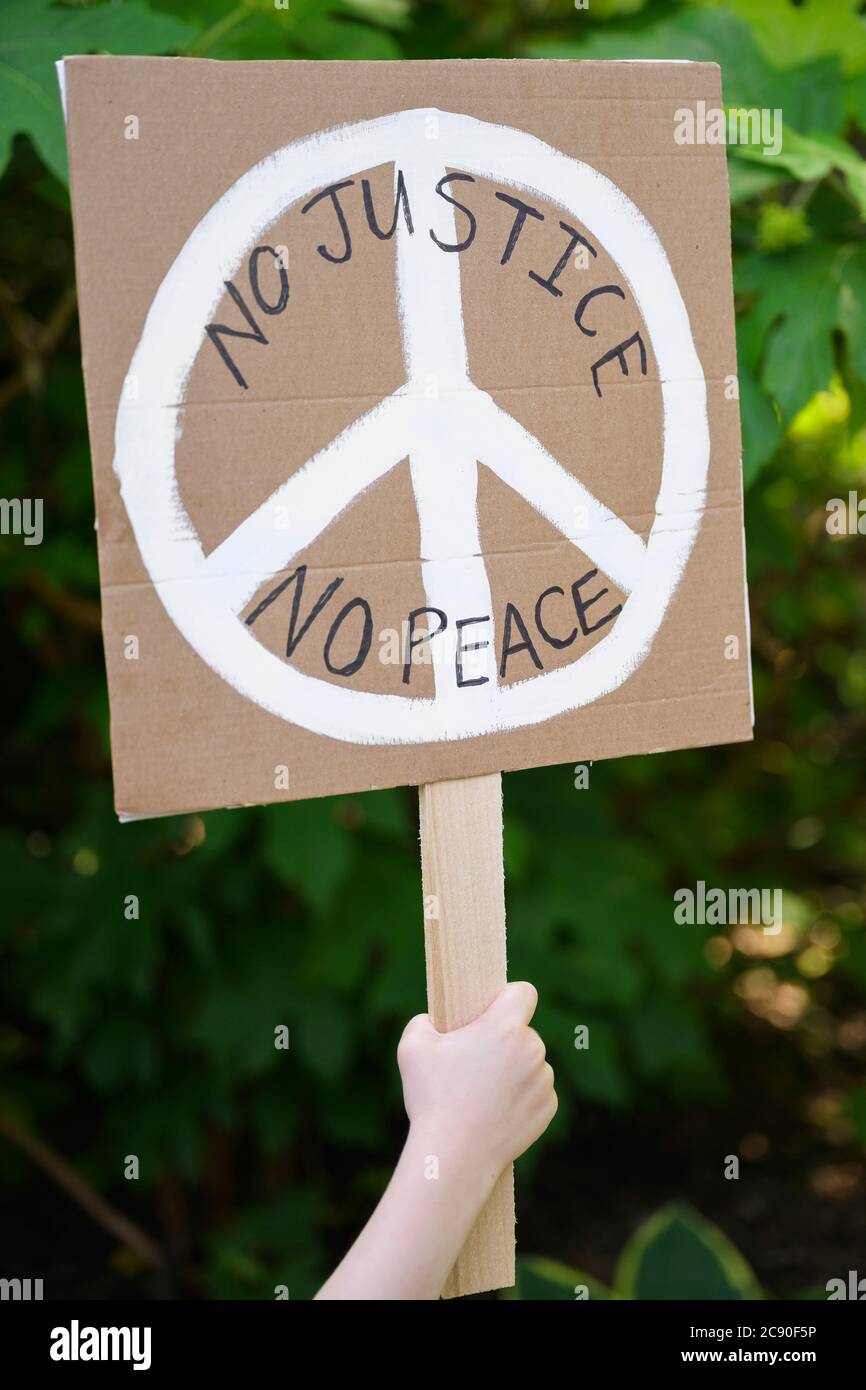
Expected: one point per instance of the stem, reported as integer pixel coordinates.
(65, 1176)
(217, 31)
(81, 612)
(803, 193)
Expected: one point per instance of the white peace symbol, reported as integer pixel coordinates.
(443, 438)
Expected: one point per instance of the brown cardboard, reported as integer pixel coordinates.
(154, 145)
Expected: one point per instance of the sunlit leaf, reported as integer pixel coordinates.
(35, 34)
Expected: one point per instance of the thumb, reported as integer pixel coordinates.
(417, 1030)
(515, 1003)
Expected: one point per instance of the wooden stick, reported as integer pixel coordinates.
(464, 939)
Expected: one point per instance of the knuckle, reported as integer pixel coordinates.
(410, 1040)
(520, 994)
(528, 992)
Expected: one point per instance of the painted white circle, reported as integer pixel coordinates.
(203, 594)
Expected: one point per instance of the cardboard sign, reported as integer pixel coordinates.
(413, 410)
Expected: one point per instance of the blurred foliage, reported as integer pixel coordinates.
(155, 1035)
(674, 1255)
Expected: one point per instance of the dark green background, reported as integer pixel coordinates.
(155, 1037)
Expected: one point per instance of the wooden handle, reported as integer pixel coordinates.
(464, 940)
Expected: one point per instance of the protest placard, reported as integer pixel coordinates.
(413, 408)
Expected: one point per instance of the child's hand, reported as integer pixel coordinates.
(476, 1099)
(485, 1089)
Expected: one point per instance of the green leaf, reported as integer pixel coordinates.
(811, 157)
(792, 33)
(383, 812)
(799, 358)
(748, 181)
(393, 13)
(696, 35)
(787, 339)
(539, 1278)
(812, 97)
(121, 1052)
(236, 1020)
(35, 34)
(851, 317)
(269, 1245)
(323, 1034)
(664, 1031)
(223, 829)
(855, 99)
(676, 1254)
(596, 1070)
(306, 848)
(809, 95)
(333, 39)
(599, 974)
(166, 1130)
(762, 432)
